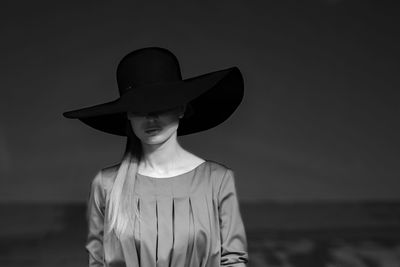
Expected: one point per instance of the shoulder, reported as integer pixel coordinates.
(222, 178)
(106, 176)
(218, 172)
(217, 168)
(110, 171)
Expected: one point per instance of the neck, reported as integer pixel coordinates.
(162, 157)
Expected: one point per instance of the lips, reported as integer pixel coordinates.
(152, 130)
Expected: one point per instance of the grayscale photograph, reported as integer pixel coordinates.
(200, 133)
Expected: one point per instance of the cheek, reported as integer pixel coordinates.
(135, 125)
(170, 123)
(170, 119)
(172, 126)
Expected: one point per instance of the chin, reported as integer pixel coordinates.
(153, 141)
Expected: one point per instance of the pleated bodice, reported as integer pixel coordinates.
(192, 220)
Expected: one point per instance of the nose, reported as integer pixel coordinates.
(151, 116)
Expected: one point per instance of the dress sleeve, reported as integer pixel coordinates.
(95, 219)
(233, 236)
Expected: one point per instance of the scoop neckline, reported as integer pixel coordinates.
(175, 176)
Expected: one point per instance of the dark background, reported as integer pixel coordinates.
(314, 143)
(319, 119)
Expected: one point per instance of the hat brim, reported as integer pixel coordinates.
(213, 98)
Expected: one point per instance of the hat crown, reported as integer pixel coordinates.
(147, 66)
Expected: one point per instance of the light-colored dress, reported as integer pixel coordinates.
(189, 220)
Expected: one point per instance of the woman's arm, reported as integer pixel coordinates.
(233, 235)
(95, 219)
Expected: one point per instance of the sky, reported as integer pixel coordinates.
(319, 119)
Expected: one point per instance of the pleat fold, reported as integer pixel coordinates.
(137, 224)
(148, 232)
(192, 254)
(173, 232)
(181, 231)
(165, 230)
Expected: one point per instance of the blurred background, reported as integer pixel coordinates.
(314, 144)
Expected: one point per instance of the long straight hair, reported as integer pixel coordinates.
(121, 213)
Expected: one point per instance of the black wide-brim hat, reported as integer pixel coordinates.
(149, 80)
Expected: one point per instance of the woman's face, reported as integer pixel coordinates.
(155, 128)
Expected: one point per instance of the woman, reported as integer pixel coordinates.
(162, 205)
